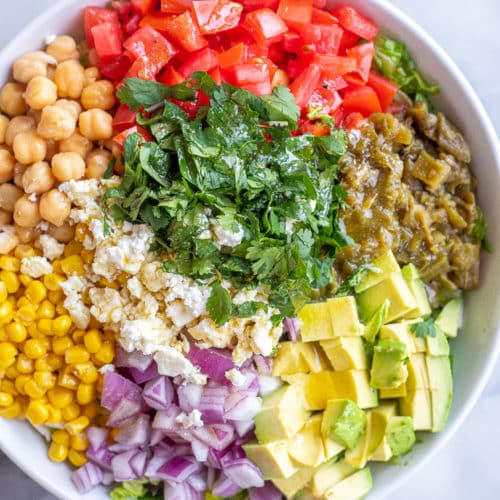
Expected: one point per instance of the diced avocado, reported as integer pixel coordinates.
(344, 317)
(417, 288)
(316, 388)
(397, 392)
(315, 322)
(418, 405)
(292, 485)
(272, 459)
(354, 385)
(344, 422)
(398, 331)
(438, 345)
(400, 435)
(320, 362)
(353, 487)
(328, 475)
(375, 323)
(306, 447)
(417, 373)
(331, 447)
(370, 440)
(293, 357)
(388, 409)
(441, 387)
(283, 413)
(345, 353)
(383, 453)
(385, 265)
(389, 364)
(449, 320)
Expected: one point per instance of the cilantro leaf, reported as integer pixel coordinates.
(355, 279)
(424, 328)
(480, 230)
(219, 304)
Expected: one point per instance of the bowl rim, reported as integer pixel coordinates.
(408, 24)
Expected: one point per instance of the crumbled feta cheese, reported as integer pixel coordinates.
(181, 314)
(145, 335)
(52, 249)
(79, 312)
(290, 225)
(135, 287)
(106, 305)
(106, 369)
(188, 420)
(36, 266)
(226, 237)
(172, 362)
(237, 378)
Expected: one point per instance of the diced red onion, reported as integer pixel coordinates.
(165, 419)
(211, 404)
(291, 325)
(198, 481)
(189, 396)
(138, 463)
(124, 410)
(244, 473)
(178, 469)
(224, 487)
(121, 467)
(181, 492)
(243, 427)
(159, 393)
(116, 388)
(140, 377)
(156, 437)
(263, 365)
(101, 457)
(267, 492)
(269, 384)
(107, 478)
(210, 477)
(217, 436)
(181, 450)
(213, 362)
(87, 477)
(200, 450)
(134, 359)
(97, 437)
(136, 433)
(245, 409)
(159, 458)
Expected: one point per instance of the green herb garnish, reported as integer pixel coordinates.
(480, 230)
(135, 490)
(425, 328)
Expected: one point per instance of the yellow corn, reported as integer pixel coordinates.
(8, 353)
(85, 393)
(68, 381)
(73, 248)
(24, 251)
(44, 326)
(33, 390)
(3, 292)
(12, 411)
(79, 442)
(73, 265)
(60, 436)
(24, 364)
(87, 256)
(6, 399)
(93, 341)
(86, 372)
(11, 281)
(11, 372)
(9, 263)
(26, 314)
(77, 425)
(71, 412)
(42, 364)
(56, 297)
(20, 382)
(54, 361)
(34, 348)
(6, 312)
(46, 310)
(61, 344)
(91, 410)
(25, 279)
(58, 452)
(45, 379)
(77, 458)
(53, 281)
(77, 336)
(105, 354)
(76, 354)
(37, 413)
(60, 397)
(8, 386)
(55, 415)
(61, 325)
(16, 332)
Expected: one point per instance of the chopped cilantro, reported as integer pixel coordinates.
(347, 287)
(425, 328)
(480, 230)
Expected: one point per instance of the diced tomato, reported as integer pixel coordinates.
(107, 40)
(242, 74)
(363, 53)
(319, 4)
(297, 65)
(93, 16)
(216, 75)
(354, 120)
(232, 56)
(250, 5)
(334, 66)
(277, 54)
(295, 11)
(328, 100)
(175, 6)
(203, 60)
(384, 88)
(124, 118)
(305, 84)
(320, 16)
(156, 20)
(170, 76)
(142, 6)
(255, 50)
(259, 88)
(340, 83)
(353, 80)
(322, 38)
(122, 136)
(363, 100)
(265, 26)
(292, 42)
(214, 16)
(148, 42)
(320, 130)
(115, 68)
(143, 68)
(350, 19)
(348, 40)
(185, 31)
(124, 9)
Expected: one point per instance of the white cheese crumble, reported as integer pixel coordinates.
(188, 420)
(106, 369)
(36, 266)
(51, 248)
(237, 378)
(226, 237)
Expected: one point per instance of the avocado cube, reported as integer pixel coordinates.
(438, 345)
(319, 362)
(292, 485)
(383, 453)
(328, 475)
(354, 385)
(385, 265)
(389, 364)
(282, 414)
(400, 332)
(356, 486)
(375, 323)
(331, 448)
(418, 405)
(400, 435)
(417, 373)
(344, 317)
(271, 458)
(344, 422)
(449, 320)
(441, 389)
(417, 288)
(393, 288)
(315, 322)
(293, 357)
(306, 447)
(345, 353)
(397, 392)
(319, 388)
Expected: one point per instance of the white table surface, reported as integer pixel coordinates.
(467, 468)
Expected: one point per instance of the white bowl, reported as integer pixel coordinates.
(476, 349)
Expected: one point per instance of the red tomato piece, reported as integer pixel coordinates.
(320, 16)
(175, 6)
(115, 68)
(305, 84)
(146, 41)
(124, 118)
(295, 11)
(384, 88)
(334, 66)
(107, 40)
(363, 53)
(350, 19)
(340, 83)
(255, 50)
(297, 65)
(328, 100)
(93, 16)
(232, 56)
(265, 26)
(363, 100)
(142, 6)
(250, 5)
(353, 80)
(292, 42)
(319, 4)
(348, 40)
(170, 76)
(214, 16)
(242, 74)
(185, 31)
(216, 75)
(124, 9)
(156, 20)
(322, 38)
(143, 68)
(259, 88)
(354, 120)
(277, 54)
(122, 136)
(203, 60)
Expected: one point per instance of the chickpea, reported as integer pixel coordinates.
(7, 164)
(56, 123)
(17, 125)
(38, 178)
(4, 123)
(63, 233)
(26, 212)
(30, 65)
(19, 170)
(69, 79)
(5, 217)
(72, 106)
(36, 114)
(90, 75)
(40, 92)
(67, 166)
(97, 163)
(76, 144)
(29, 147)
(100, 95)
(26, 234)
(96, 125)
(52, 149)
(63, 48)
(11, 99)
(8, 241)
(9, 194)
(55, 207)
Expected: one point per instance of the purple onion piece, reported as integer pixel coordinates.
(178, 469)
(134, 359)
(140, 377)
(243, 473)
(267, 492)
(136, 433)
(212, 362)
(120, 464)
(159, 393)
(224, 487)
(87, 477)
(291, 325)
(116, 388)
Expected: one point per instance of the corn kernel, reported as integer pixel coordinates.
(25, 280)
(85, 393)
(16, 332)
(115, 285)
(56, 266)
(81, 231)
(61, 325)
(105, 354)
(71, 412)
(86, 372)
(61, 310)
(58, 452)
(56, 297)
(33, 390)
(45, 379)
(79, 442)
(22, 301)
(12, 411)
(61, 344)
(46, 310)
(77, 336)
(26, 314)
(9, 263)
(60, 397)
(54, 361)
(44, 326)
(92, 341)
(34, 348)
(6, 399)
(37, 413)
(8, 386)
(24, 251)
(6, 312)
(8, 353)
(91, 410)
(53, 281)
(73, 265)
(60, 436)
(24, 364)
(77, 458)
(55, 415)
(76, 354)
(68, 381)
(36, 292)
(11, 372)
(42, 365)
(77, 425)
(3, 335)
(20, 382)
(11, 281)
(3, 292)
